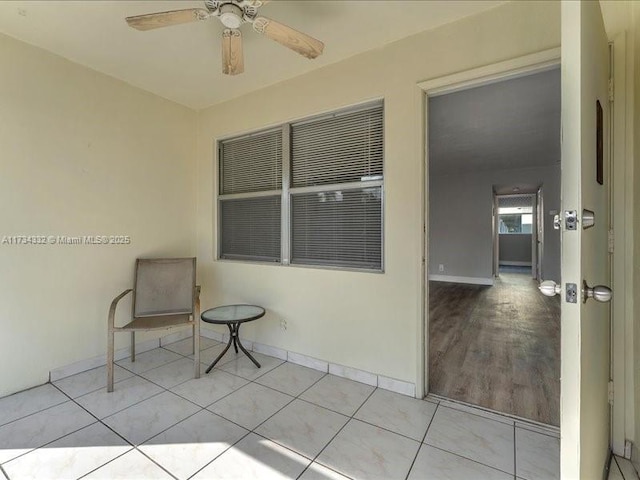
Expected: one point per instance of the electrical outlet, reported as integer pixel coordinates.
(283, 324)
(628, 447)
(441, 268)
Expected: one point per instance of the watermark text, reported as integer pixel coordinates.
(65, 240)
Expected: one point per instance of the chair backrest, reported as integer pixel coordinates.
(164, 286)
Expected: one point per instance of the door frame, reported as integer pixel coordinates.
(622, 304)
(534, 230)
(514, 68)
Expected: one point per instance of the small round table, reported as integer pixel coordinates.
(232, 316)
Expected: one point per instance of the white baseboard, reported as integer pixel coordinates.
(95, 362)
(454, 279)
(353, 374)
(508, 263)
(175, 337)
(398, 386)
(362, 376)
(212, 334)
(271, 351)
(309, 362)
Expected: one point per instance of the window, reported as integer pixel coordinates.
(250, 197)
(515, 213)
(308, 193)
(515, 222)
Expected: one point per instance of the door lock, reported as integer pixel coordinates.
(572, 293)
(571, 219)
(551, 289)
(599, 293)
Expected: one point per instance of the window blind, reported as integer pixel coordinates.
(250, 228)
(341, 228)
(516, 201)
(252, 163)
(339, 149)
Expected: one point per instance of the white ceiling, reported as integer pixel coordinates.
(183, 62)
(506, 125)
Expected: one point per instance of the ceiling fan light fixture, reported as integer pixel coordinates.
(231, 15)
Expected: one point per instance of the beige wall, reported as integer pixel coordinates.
(81, 154)
(367, 321)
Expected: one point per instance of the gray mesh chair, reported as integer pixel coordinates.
(165, 295)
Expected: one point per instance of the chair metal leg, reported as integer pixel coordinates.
(110, 354)
(196, 347)
(196, 334)
(133, 346)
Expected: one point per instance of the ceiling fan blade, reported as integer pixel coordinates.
(232, 55)
(289, 37)
(166, 19)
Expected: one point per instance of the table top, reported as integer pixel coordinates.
(232, 314)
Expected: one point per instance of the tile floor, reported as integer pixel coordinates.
(280, 421)
(622, 469)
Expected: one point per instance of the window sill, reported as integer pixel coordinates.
(298, 265)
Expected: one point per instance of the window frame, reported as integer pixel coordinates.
(286, 221)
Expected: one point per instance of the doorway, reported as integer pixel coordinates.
(493, 338)
(516, 244)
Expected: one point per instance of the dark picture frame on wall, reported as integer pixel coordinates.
(599, 144)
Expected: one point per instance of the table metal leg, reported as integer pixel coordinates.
(219, 357)
(244, 349)
(234, 337)
(233, 331)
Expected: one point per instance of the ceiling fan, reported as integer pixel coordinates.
(232, 14)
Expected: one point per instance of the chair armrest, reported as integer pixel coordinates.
(114, 304)
(197, 302)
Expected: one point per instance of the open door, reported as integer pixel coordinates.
(496, 236)
(534, 237)
(585, 415)
(539, 225)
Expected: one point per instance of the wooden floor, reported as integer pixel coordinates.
(497, 347)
